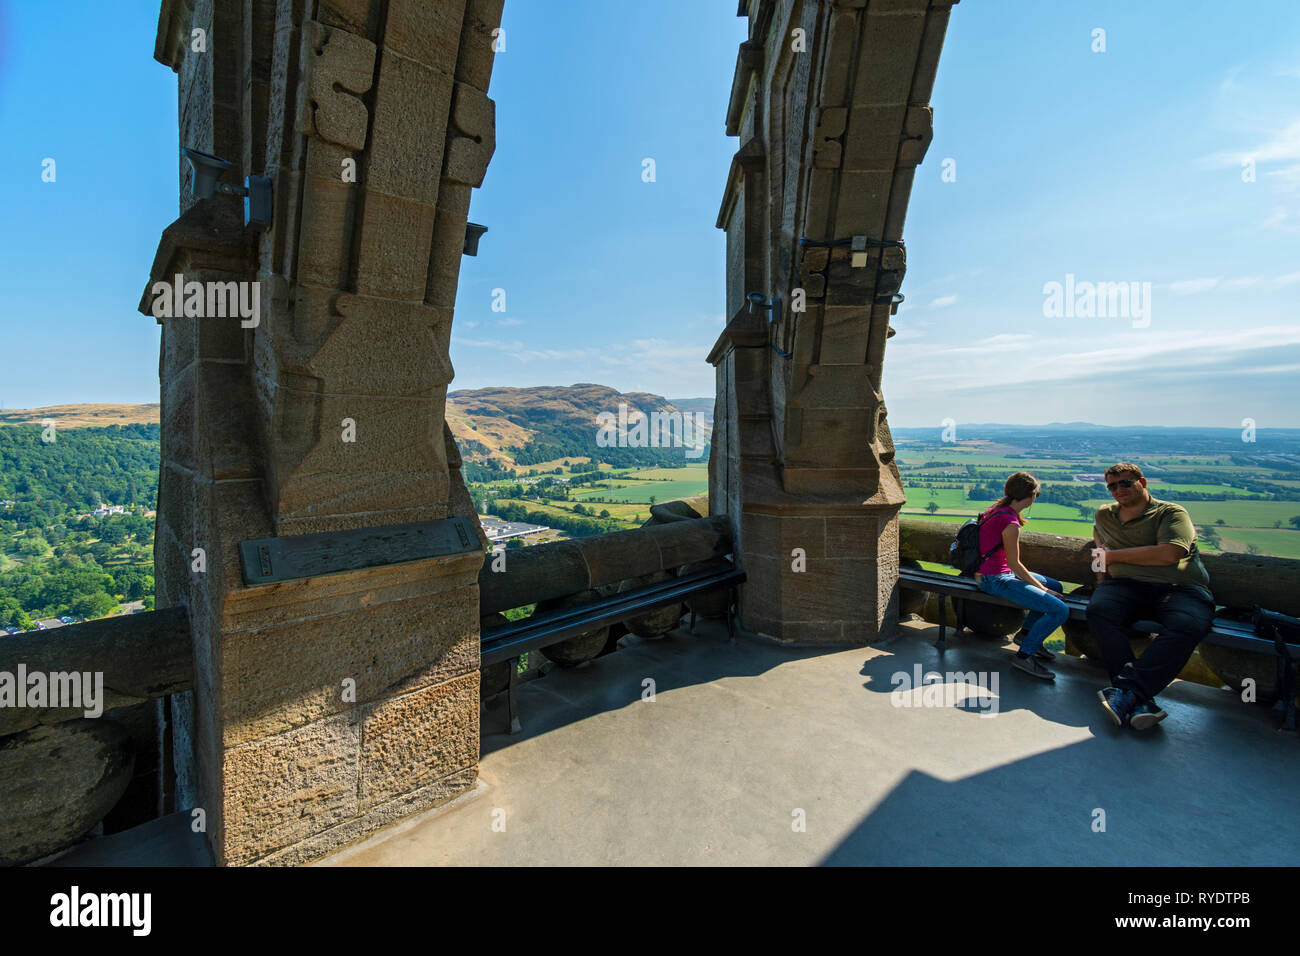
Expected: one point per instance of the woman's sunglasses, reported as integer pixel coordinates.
(1122, 483)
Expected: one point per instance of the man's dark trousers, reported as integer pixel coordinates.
(1185, 617)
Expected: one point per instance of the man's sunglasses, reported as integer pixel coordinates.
(1122, 483)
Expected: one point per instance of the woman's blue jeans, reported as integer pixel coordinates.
(1047, 612)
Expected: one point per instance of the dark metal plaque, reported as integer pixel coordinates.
(268, 560)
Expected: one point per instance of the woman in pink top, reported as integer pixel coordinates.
(1003, 574)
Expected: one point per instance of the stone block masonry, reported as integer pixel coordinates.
(326, 707)
(831, 105)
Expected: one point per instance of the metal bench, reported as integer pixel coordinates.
(511, 641)
(1225, 632)
(952, 587)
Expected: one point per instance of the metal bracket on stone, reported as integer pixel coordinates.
(271, 560)
(859, 250)
(892, 251)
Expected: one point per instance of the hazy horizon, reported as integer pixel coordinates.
(894, 426)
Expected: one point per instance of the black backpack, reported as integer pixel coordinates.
(964, 552)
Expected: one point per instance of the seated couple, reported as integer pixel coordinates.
(1149, 570)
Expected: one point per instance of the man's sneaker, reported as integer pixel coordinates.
(1043, 654)
(1033, 667)
(1146, 715)
(1119, 703)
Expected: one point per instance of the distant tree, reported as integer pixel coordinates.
(12, 615)
(34, 545)
(114, 532)
(514, 543)
(652, 499)
(1295, 522)
(604, 512)
(149, 602)
(1219, 521)
(1277, 524)
(91, 606)
(932, 507)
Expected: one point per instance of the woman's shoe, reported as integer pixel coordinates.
(1033, 667)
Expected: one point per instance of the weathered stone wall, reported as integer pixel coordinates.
(830, 103)
(322, 708)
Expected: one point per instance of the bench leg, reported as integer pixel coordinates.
(942, 642)
(731, 617)
(515, 725)
(692, 628)
(1286, 684)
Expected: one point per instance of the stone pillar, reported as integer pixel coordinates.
(830, 103)
(324, 707)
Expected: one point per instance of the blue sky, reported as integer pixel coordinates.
(1115, 166)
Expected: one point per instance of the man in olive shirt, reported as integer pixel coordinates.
(1146, 549)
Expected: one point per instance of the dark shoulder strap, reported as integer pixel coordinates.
(994, 549)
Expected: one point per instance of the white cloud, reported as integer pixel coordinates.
(1291, 278)
(488, 344)
(510, 321)
(1282, 219)
(1054, 361)
(1193, 286)
(1287, 176)
(1229, 81)
(1281, 147)
(942, 301)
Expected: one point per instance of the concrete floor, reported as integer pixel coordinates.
(743, 741)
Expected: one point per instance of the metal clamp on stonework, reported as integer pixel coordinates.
(895, 299)
(858, 246)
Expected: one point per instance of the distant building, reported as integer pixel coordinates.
(1089, 477)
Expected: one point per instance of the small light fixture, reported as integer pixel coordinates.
(204, 184)
(761, 303)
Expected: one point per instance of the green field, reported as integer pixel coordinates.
(689, 473)
(1237, 514)
(642, 491)
(1160, 489)
(954, 502)
(1078, 529)
(638, 486)
(1271, 541)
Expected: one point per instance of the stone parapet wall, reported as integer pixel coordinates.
(1237, 580)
